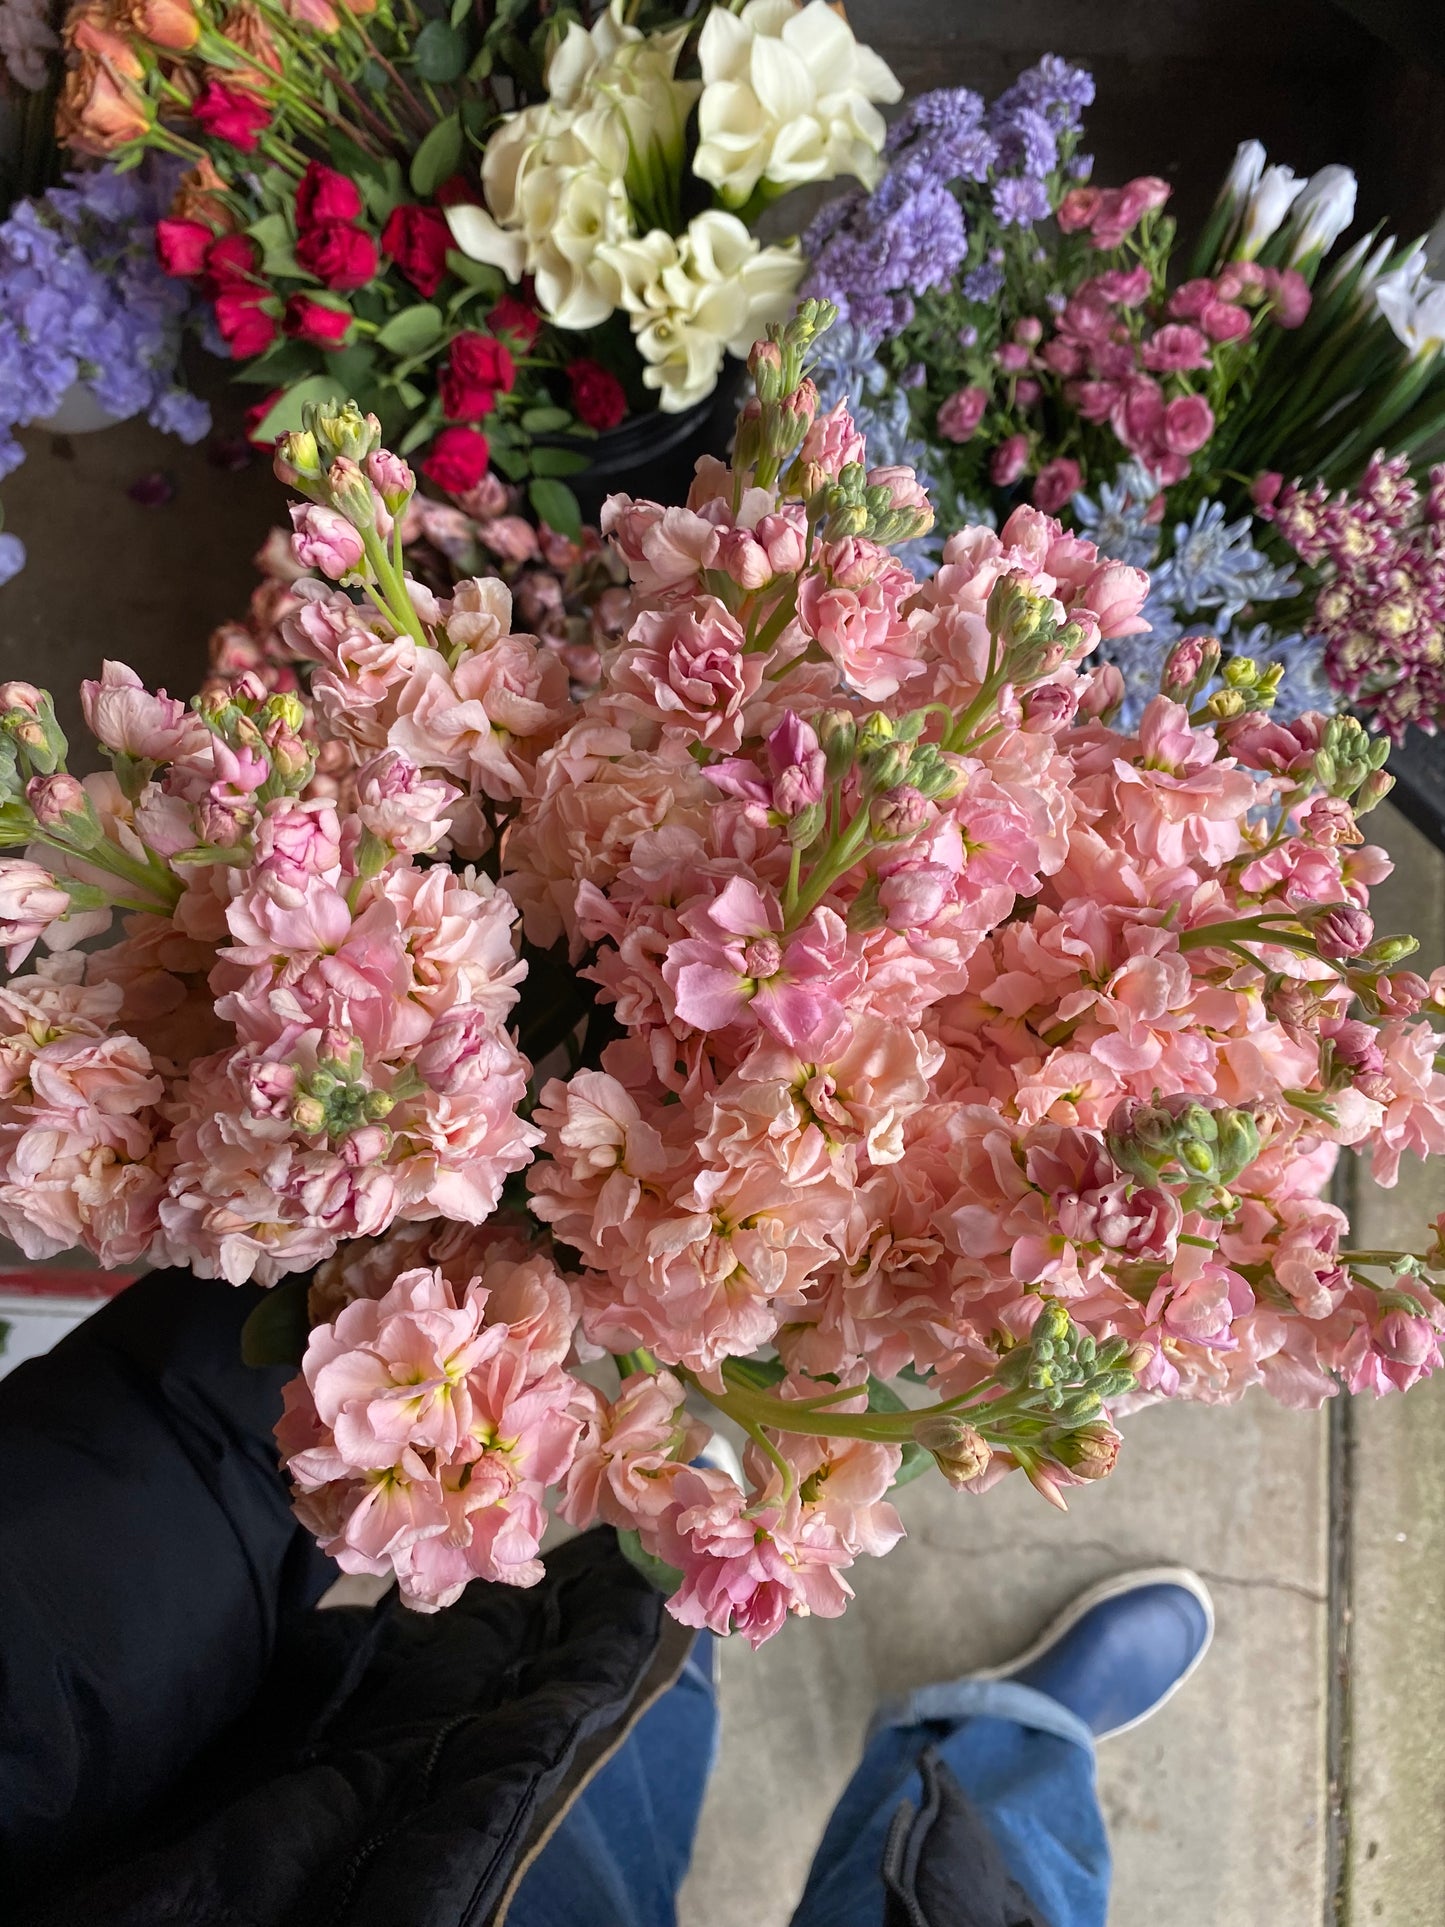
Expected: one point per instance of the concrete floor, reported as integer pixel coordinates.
(1299, 1780)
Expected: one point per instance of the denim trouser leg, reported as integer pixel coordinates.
(1025, 1762)
(620, 1853)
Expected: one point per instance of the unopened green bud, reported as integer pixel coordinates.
(1373, 791)
(1052, 1325)
(350, 493)
(806, 826)
(765, 365)
(286, 709)
(308, 1114)
(324, 1083)
(1224, 705)
(342, 434)
(886, 768)
(1238, 1143)
(377, 1105)
(1241, 672)
(1386, 951)
(1080, 1407)
(298, 456)
(838, 737)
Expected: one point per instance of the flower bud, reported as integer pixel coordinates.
(806, 826)
(1342, 931)
(61, 805)
(308, 1114)
(1190, 665)
(1389, 950)
(899, 813)
(765, 365)
(959, 1450)
(297, 458)
(1090, 1453)
(343, 434)
(1373, 791)
(350, 493)
(838, 738)
(1224, 705)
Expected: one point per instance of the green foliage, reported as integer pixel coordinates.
(555, 503)
(412, 331)
(438, 157)
(439, 53)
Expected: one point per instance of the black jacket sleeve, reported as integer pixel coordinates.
(148, 1557)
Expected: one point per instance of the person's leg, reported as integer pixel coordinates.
(1020, 1744)
(619, 1854)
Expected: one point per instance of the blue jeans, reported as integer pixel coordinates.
(1026, 1763)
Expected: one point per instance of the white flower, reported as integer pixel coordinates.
(1414, 306)
(1325, 208)
(787, 97)
(626, 106)
(1243, 176)
(711, 290)
(1274, 195)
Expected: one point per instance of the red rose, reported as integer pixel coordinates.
(339, 255)
(324, 195)
(517, 319)
(478, 366)
(227, 114)
(313, 322)
(232, 262)
(181, 246)
(417, 239)
(245, 326)
(457, 460)
(456, 191)
(598, 397)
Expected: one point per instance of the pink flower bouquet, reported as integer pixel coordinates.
(913, 1022)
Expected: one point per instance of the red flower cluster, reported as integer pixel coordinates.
(329, 242)
(243, 302)
(457, 459)
(598, 397)
(231, 114)
(478, 367)
(417, 239)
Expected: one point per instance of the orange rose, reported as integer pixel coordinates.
(100, 110)
(171, 24)
(246, 30)
(200, 196)
(95, 30)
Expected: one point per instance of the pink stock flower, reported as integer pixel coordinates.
(832, 442)
(121, 713)
(400, 807)
(686, 669)
(325, 541)
(735, 967)
(850, 603)
(662, 547)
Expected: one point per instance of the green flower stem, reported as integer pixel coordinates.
(394, 602)
(839, 857)
(1391, 1258)
(1221, 935)
(161, 888)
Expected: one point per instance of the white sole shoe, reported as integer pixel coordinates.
(1115, 1588)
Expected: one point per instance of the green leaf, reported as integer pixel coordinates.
(439, 52)
(482, 65)
(412, 331)
(271, 231)
(350, 159)
(286, 415)
(544, 421)
(277, 1330)
(666, 1578)
(283, 362)
(415, 435)
(409, 394)
(460, 10)
(758, 1374)
(384, 191)
(916, 1459)
(559, 461)
(481, 275)
(351, 368)
(512, 464)
(438, 157)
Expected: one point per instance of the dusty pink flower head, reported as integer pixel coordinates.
(121, 713)
(1056, 483)
(325, 540)
(832, 442)
(397, 804)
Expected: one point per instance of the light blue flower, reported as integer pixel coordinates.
(1215, 566)
(1116, 518)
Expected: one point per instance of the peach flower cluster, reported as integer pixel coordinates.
(302, 1034)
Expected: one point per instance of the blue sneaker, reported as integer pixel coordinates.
(1121, 1649)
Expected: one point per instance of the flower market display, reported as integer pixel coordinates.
(1247, 413)
(83, 304)
(819, 1013)
(505, 230)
